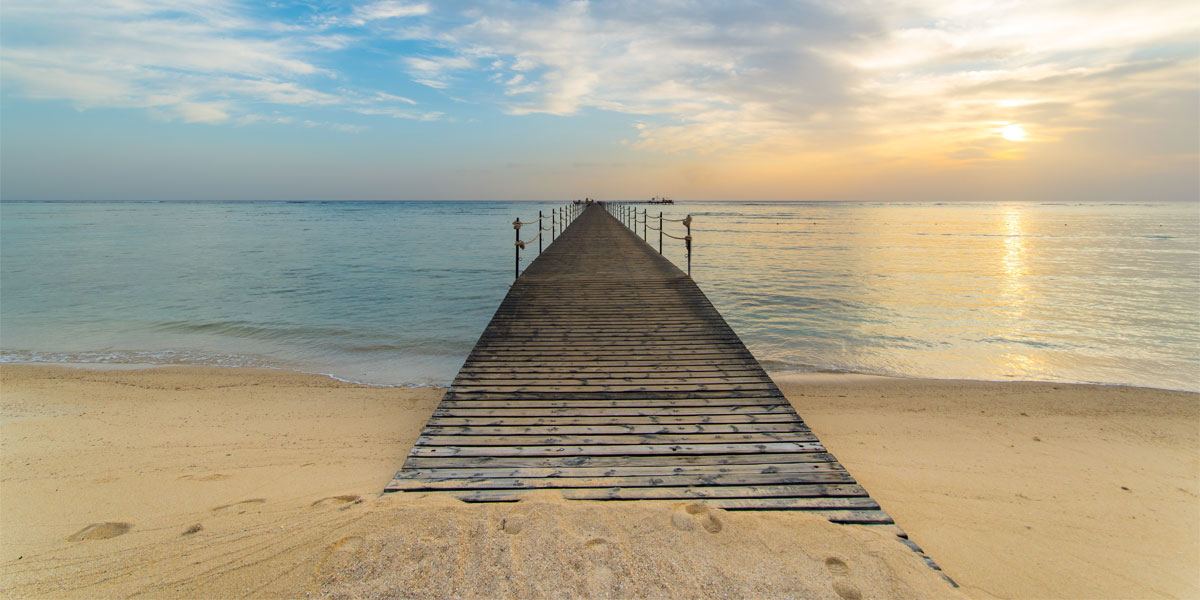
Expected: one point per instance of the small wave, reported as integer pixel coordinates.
(133, 357)
(247, 330)
(164, 358)
(1030, 343)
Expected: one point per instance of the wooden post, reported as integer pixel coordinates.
(688, 242)
(660, 220)
(517, 248)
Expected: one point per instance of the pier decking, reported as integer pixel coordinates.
(608, 374)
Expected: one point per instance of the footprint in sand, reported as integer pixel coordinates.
(340, 556)
(209, 477)
(101, 531)
(346, 544)
(600, 581)
(841, 583)
(512, 524)
(837, 567)
(341, 501)
(237, 506)
(845, 589)
(688, 516)
(193, 529)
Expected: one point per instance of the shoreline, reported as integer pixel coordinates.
(846, 377)
(1016, 489)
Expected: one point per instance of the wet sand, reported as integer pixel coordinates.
(206, 482)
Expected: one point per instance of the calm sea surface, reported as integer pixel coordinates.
(397, 292)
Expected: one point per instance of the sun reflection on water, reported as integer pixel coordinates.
(1014, 257)
(1015, 292)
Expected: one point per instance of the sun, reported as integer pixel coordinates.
(1013, 133)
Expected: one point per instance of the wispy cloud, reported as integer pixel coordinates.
(388, 10)
(899, 78)
(436, 71)
(889, 82)
(202, 62)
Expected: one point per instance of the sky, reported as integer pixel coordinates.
(1052, 101)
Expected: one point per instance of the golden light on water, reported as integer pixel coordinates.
(1014, 133)
(1015, 289)
(1014, 245)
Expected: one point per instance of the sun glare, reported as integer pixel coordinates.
(1013, 133)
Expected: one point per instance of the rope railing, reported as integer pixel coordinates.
(559, 218)
(631, 218)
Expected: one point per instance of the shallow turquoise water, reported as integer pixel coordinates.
(396, 293)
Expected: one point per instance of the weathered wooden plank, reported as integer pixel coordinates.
(565, 377)
(484, 370)
(441, 421)
(580, 347)
(603, 344)
(648, 351)
(644, 383)
(812, 497)
(609, 361)
(617, 450)
(455, 394)
(568, 402)
(615, 471)
(558, 336)
(714, 479)
(697, 428)
(500, 388)
(611, 333)
(616, 411)
(554, 462)
(429, 439)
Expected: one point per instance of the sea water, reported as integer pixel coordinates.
(395, 293)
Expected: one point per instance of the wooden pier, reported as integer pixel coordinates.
(606, 373)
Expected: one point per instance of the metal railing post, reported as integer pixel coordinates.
(517, 248)
(645, 221)
(539, 233)
(687, 221)
(660, 232)
(553, 224)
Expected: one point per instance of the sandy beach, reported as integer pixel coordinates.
(207, 482)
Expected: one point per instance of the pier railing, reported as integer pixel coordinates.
(629, 216)
(559, 219)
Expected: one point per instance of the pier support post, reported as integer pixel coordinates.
(687, 240)
(517, 248)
